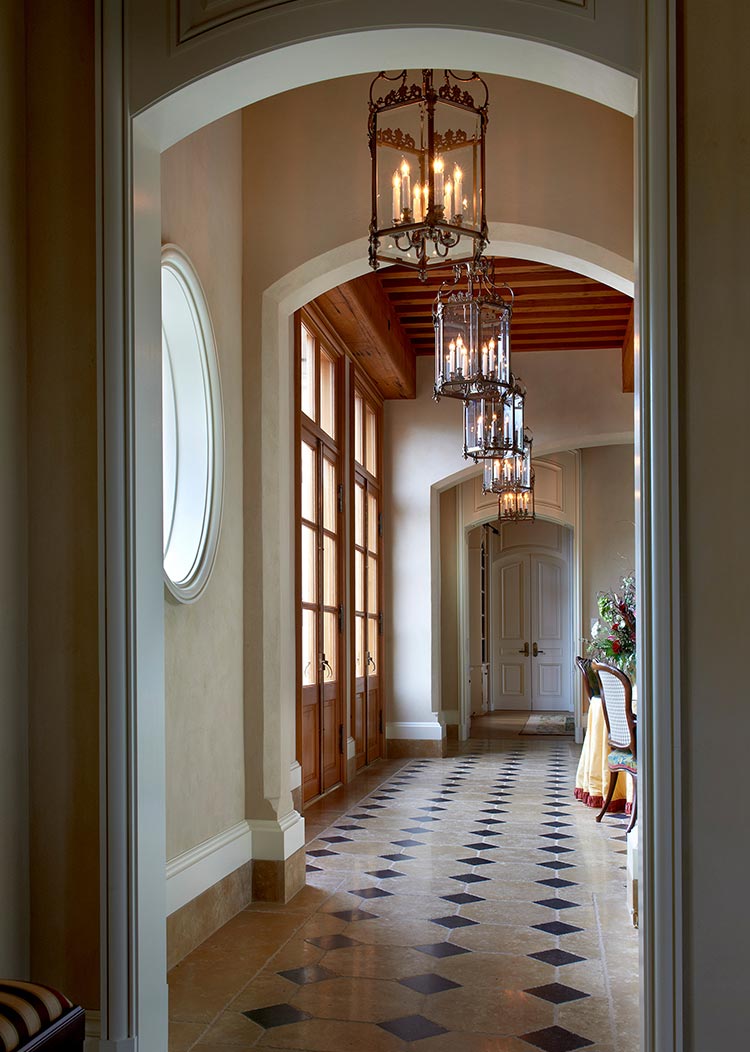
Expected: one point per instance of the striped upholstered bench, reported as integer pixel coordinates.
(34, 1017)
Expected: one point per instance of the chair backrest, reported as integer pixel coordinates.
(585, 666)
(617, 703)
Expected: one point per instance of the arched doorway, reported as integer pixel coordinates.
(134, 895)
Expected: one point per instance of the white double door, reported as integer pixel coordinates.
(531, 633)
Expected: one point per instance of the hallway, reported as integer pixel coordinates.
(465, 903)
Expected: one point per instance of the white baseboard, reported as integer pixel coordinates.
(199, 868)
(277, 839)
(415, 731)
(295, 775)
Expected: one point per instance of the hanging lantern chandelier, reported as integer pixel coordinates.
(472, 336)
(511, 476)
(494, 423)
(427, 145)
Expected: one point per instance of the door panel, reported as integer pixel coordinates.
(531, 596)
(511, 679)
(550, 631)
(367, 706)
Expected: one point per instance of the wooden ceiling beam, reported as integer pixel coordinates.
(628, 355)
(367, 324)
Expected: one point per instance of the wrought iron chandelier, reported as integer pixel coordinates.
(512, 477)
(472, 336)
(427, 145)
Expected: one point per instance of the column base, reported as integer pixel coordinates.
(278, 880)
(415, 748)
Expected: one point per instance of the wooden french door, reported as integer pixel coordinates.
(367, 708)
(322, 613)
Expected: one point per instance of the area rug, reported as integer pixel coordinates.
(550, 723)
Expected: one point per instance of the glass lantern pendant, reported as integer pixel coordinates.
(494, 424)
(513, 506)
(510, 472)
(472, 336)
(427, 145)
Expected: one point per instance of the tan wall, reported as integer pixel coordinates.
(607, 521)
(449, 641)
(63, 514)
(202, 213)
(14, 803)
(714, 226)
(317, 174)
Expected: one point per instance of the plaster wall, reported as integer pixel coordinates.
(62, 485)
(607, 522)
(422, 452)
(203, 641)
(14, 797)
(449, 634)
(713, 230)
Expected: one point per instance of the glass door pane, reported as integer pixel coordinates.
(307, 373)
(327, 393)
(372, 522)
(359, 442)
(309, 648)
(307, 482)
(309, 558)
(371, 442)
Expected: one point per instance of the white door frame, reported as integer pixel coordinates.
(133, 899)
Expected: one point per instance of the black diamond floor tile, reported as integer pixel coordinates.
(468, 878)
(432, 809)
(429, 983)
(557, 993)
(557, 928)
(373, 893)
(557, 882)
(276, 1015)
(557, 825)
(384, 874)
(398, 858)
(354, 915)
(556, 1039)
(413, 1028)
(489, 822)
(556, 865)
(312, 869)
(422, 818)
(453, 922)
(477, 846)
(441, 949)
(463, 898)
(556, 850)
(557, 958)
(557, 904)
(476, 861)
(415, 829)
(408, 843)
(311, 973)
(322, 852)
(348, 828)
(556, 836)
(360, 818)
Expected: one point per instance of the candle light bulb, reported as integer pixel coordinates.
(405, 184)
(448, 199)
(396, 197)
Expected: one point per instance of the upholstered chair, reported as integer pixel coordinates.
(617, 705)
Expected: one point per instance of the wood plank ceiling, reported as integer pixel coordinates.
(554, 309)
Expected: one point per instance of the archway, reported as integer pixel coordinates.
(133, 896)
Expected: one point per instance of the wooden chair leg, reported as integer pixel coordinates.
(634, 811)
(613, 776)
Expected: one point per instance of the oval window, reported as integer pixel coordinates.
(192, 430)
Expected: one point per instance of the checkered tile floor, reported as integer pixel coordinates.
(469, 904)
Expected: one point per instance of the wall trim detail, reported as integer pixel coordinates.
(411, 731)
(200, 867)
(295, 775)
(274, 840)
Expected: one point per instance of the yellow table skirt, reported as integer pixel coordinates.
(592, 778)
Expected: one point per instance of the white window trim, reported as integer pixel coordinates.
(191, 588)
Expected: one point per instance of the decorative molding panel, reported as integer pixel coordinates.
(195, 17)
(586, 8)
(549, 492)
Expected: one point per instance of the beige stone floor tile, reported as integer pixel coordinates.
(330, 1035)
(590, 1017)
(395, 932)
(183, 1036)
(479, 971)
(470, 1043)
(377, 961)
(358, 999)
(267, 988)
(504, 1013)
(502, 938)
(294, 954)
(231, 1029)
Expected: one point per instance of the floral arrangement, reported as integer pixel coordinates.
(613, 634)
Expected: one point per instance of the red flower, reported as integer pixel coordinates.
(616, 646)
